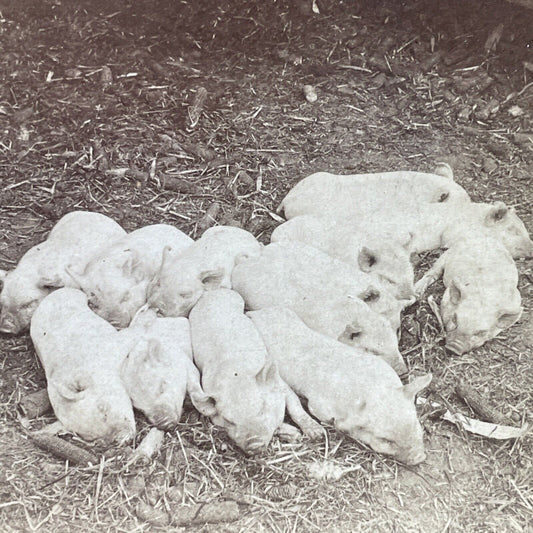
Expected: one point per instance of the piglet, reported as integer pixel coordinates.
(327, 294)
(73, 240)
(81, 355)
(206, 264)
(386, 260)
(360, 395)
(440, 225)
(159, 370)
(363, 194)
(241, 380)
(308, 339)
(481, 297)
(116, 279)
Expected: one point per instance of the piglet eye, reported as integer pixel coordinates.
(126, 297)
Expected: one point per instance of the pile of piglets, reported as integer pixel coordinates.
(142, 319)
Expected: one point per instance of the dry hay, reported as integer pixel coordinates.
(96, 108)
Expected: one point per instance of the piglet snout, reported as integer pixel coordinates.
(414, 458)
(8, 323)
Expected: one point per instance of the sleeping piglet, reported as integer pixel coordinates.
(360, 395)
(327, 294)
(373, 252)
(81, 355)
(242, 381)
(441, 225)
(116, 279)
(308, 339)
(481, 297)
(363, 194)
(159, 370)
(206, 264)
(73, 240)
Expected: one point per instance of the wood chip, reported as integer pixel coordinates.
(35, 404)
(195, 111)
(63, 449)
(478, 404)
(186, 515)
(209, 218)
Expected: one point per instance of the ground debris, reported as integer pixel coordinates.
(479, 405)
(150, 514)
(35, 404)
(215, 512)
(63, 449)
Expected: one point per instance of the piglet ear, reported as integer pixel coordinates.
(366, 259)
(416, 385)
(79, 279)
(267, 374)
(406, 240)
(153, 351)
(370, 295)
(205, 404)
(52, 282)
(212, 279)
(351, 333)
(455, 293)
(133, 266)
(497, 213)
(507, 319)
(166, 256)
(71, 389)
(444, 170)
(239, 258)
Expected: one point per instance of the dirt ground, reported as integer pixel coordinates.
(97, 112)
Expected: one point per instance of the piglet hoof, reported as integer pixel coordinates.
(314, 430)
(420, 288)
(150, 445)
(288, 433)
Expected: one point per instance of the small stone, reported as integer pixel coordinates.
(151, 515)
(489, 165)
(464, 113)
(310, 94)
(516, 111)
(175, 493)
(106, 77)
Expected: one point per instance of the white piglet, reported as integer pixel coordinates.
(481, 297)
(73, 240)
(370, 250)
(324, 292)
(360, 394)
(206, 264)
(306, 338)
(116, 279)
(441, 225)
(363, 194)
(236, 370)
(241, 380)
(159, 369)
(81, 355)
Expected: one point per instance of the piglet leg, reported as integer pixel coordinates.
(305, 422)
(203, 403)
(432, 275)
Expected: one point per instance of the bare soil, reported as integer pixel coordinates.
(96, 102)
